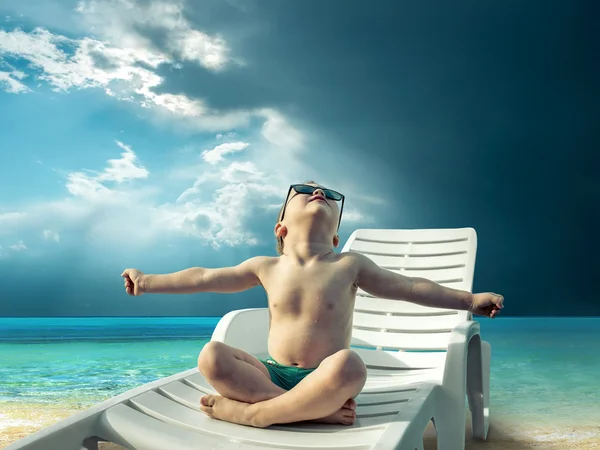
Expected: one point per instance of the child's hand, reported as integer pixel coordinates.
(132, 280)
(487, 304)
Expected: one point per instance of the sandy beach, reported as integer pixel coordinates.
(18, 420)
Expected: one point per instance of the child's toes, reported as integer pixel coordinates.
(348, 413)
(207, 400)
(348, 420)
(206, 404)
(207, 410)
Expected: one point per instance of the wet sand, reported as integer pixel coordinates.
(18, 420)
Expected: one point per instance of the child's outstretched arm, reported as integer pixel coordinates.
(384, 283)
(196, 279)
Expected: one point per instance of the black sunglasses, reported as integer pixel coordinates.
(309, 190)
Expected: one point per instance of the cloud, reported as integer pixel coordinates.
(216, 154)
(225, 219)
(11, 82)
(118, 170)
(123, 169)
(354, 216)
(121, 22)
(124, 61)
(18, 247)
(110, 209)
(50, 235)
(6, 218)
(66, 63)
(278, 131)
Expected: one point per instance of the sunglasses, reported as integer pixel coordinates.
(307, 189)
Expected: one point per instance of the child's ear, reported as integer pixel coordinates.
(336, 241)
(280, 230)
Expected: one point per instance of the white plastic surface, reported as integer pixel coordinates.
(404, 389)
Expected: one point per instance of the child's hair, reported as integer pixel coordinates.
(279, 244)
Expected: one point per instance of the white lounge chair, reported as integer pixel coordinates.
(422, 365)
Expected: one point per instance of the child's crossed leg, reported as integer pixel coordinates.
(248, 396)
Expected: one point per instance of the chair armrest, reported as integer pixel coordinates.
(246, 329)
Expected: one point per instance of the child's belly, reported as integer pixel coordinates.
(303, 343)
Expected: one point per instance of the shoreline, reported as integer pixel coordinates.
(18, 420)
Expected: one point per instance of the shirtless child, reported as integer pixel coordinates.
(311, 374)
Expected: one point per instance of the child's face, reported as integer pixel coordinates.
(316, 203)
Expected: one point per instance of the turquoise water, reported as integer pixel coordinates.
(81, 361)
(541, 367)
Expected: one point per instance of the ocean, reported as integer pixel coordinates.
(545, 371)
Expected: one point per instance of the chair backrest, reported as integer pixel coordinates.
(446, 256)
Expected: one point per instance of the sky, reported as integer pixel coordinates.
(163, 134)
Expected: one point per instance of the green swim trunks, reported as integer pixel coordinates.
(285, 377)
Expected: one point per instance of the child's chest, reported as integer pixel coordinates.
(316, 290)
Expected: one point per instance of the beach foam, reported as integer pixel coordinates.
(572, 436)
(7, 422)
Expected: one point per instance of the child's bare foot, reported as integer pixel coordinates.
(346, 415)
(223, 408)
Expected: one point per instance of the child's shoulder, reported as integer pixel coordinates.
(351, 256)
(353, 259)
(262, 261)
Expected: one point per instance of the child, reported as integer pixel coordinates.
(311, 374)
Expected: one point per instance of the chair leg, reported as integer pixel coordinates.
(478, 391)
(451, 430)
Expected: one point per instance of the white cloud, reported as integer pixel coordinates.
(353, 215)
(217, 210)
(119, 170)
(79, 67)
(96, 64)
(238, 172)
(11, 83)
(6, 218)
(120, 20)
(123, 169)
(50, 235)
(87, 63)
(18, 247)
(216, 154)
(224, 220)
(124, 63)
(80, 184)
(235, 172)
(278, 131)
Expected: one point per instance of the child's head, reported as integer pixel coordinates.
(309, 204)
